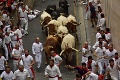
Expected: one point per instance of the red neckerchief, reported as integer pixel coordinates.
(16, 48)
(85, 47)
(107, 32)
(23, 9)
(51, 65)
(26, 55)
(55, 54)
(89, 64)
(116, 58)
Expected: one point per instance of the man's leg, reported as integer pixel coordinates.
(6, 52)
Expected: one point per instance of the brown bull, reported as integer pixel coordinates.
(71, 26)
(46, 21)
(51, 29)
(50, 44)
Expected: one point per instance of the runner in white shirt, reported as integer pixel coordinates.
(98, 34)
(112, 69)
(108, 35)
(14, 38)
(3, 62)
(7, 74)
(117, 61)
(28, 62)
(91, 64)
(19, 34)
(7, 45)
(23, 17)
(92, 76)
(102, 22)
(99, 54)
(105, 48)
(86, 51)
(97, 43)
(52, 71)
(16, 53)
(21, 74)
(110, 52)
(37, 49)
(57, 59)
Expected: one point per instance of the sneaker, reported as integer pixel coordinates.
(26, 33)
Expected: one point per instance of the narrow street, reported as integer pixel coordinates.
(35, 31)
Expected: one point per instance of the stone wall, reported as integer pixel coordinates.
(111, 8)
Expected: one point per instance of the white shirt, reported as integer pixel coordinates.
(18, 31)
(113, 71)
(99, 52)
(98, 35)
(17, 53)
(7, 39)
(92, 76)
(108, 36)
(110, 54)
(117, 61)
(7, 76)
(13, 36)
(27, 61)
(2, 62)
(56, 59)
(93, 65)
(22, 13)
(88, 51)
(102, 24)
(52, 72)
(37, 48)
(97, 44)
(18, 75)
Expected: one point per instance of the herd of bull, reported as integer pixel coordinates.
(59, 27)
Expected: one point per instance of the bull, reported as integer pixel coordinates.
(50, 44)
(64, 4)
(45, 19)
(52, 27)
(62, 20)
(72, 24)
(67, 46)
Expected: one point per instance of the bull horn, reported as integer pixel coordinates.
(75, 49)
(46, 25)
(62, 52)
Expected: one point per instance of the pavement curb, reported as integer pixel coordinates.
(82, 31)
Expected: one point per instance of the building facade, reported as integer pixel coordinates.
(111, 9)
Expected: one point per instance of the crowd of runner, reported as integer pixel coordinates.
(104, 65)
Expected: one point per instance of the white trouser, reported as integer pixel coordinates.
(84, 59)
(24, 23)
(13, 43)
(87, 14)
(38, 58)
(106, 62)
(30, 72)
(7, 52)
(114, 78)
(56, 78)
(21, 43)
(100, 65)
(15, 62)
